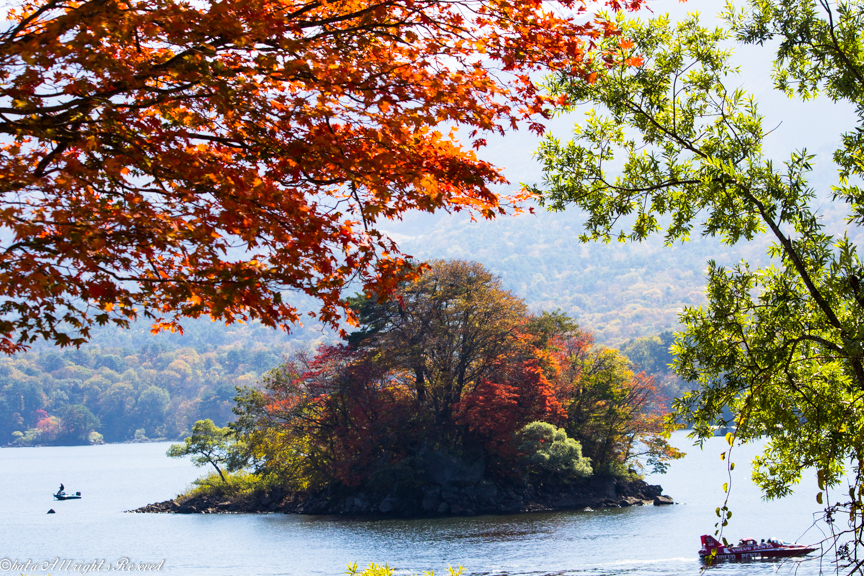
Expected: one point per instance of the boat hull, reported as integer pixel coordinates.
(726, 555)
(791, 553)
(749, 549)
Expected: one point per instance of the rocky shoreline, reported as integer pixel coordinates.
(433, 500)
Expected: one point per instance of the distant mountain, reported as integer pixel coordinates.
(619, 291)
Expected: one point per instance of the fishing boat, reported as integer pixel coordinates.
(750, 549)
(61, 495)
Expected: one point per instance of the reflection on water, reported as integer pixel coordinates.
(641, 540)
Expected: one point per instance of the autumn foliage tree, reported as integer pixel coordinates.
(495, 409)
(170, 159)
(335, 417)
(450, 330)
(617, 415)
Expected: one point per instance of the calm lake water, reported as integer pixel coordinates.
(113, 478)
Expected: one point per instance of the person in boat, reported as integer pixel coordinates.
(62, 488)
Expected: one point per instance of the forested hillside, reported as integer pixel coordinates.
(63, 397)
(617, 291)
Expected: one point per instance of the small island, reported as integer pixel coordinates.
(449, 499)
(450, 398)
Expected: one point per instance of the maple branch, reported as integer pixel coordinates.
(8, 35)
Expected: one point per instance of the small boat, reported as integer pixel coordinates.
(749, 549)
(64, 496)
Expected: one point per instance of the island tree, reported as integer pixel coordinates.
(452, 328)
(545, 449)
(170, 159)
(210, 444)
(616, 414)
(676, 147)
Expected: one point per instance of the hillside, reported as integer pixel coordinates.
(52, 397)
(618, 291)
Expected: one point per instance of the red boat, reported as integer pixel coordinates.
(749, 549)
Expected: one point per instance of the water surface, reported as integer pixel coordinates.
(114, 478)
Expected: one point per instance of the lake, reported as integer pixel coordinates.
(114, 478)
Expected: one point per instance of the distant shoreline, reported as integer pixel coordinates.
(147, 441)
